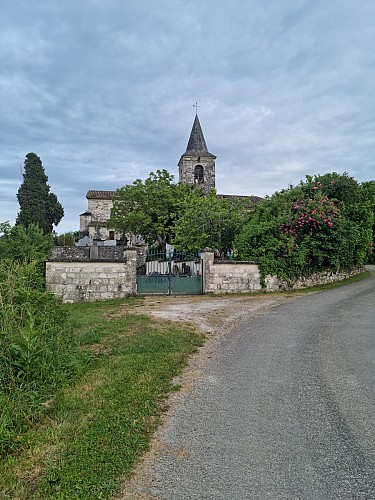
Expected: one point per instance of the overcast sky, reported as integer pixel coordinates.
(103, 92)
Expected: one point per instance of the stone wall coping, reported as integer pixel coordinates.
(88, 261)
(234, 262)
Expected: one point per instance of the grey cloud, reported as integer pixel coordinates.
(103, 91)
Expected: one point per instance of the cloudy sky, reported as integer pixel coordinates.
(103, 92)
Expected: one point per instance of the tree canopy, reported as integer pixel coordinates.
(182, 214)
(149, 208)
(208, 221)
(326, 222)
(37, 204)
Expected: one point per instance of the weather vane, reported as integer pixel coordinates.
(196, 107)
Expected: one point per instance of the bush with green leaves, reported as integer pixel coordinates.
(323, 223)
(368, 196)
(24, 244)
(38, 352)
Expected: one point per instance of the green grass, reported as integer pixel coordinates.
(39, 354)
(83, 441)
(93, 431)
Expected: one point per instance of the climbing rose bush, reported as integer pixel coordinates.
(303, 230)
(308, 217)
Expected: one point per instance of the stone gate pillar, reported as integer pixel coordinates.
(207, 256)
(130, 254)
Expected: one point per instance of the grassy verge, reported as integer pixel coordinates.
(93, 431)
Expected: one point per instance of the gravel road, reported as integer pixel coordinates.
(281, 405)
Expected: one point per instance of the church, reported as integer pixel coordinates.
(196, 166)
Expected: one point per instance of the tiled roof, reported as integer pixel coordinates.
(108, 195)
(253, 199)
(100, 195)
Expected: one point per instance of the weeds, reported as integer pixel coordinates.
(38, 352)
(97, 427)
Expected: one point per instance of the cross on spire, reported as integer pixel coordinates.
(196, 108)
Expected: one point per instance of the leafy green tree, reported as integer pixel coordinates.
(208, 221)
(149, 208)
(24, 244)
(37, 204)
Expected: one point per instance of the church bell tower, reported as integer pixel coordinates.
(197, 165)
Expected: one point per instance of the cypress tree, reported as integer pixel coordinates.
(37, 204)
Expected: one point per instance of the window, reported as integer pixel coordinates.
(198, 174)
(111, 235)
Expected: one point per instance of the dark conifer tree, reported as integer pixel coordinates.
(37, 204)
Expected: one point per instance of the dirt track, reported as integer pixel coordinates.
(209, 314)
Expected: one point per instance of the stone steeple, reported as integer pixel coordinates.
(197, 165)
(196, 141)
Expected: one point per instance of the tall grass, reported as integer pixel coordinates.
(98, 426)
(38, 352)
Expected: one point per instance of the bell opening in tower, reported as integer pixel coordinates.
(198, 174)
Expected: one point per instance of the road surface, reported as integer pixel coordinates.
(285, 408)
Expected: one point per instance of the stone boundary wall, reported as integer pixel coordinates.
(69, 253)
(63, 254)
(77, 278)
(229, 276)
(111, 253)
(79, 281)
(240, 277)
(274, 284)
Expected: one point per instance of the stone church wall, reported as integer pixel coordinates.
(186, 171)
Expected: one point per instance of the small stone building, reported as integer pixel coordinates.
(93, 222)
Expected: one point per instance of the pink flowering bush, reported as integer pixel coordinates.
(305, 229)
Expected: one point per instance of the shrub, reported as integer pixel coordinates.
(304, 229)
(38, 352)
(24, 244)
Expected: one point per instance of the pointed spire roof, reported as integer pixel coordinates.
(197, 144)
(196, 141)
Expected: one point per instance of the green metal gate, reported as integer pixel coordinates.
(169, 274)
